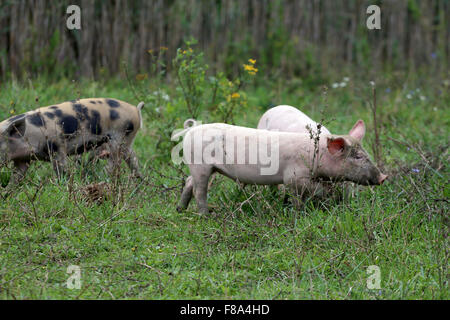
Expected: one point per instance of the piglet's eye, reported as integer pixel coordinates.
(358, 156)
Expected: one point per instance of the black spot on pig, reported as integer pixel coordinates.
(52, 147)
(81, 111)
(69, 125)
(36, 119)
(83, 148)
(129, 128)
(94, 123)
(54, 107)
(58, 113)
(113, 114)
(93, 102)
(77, 107)
(112, 103)
(49, 115)
(48, 149)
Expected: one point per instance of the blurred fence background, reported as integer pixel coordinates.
(289, 36)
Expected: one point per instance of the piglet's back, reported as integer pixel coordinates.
(94, 116)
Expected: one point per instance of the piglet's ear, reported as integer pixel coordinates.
(15, 128)
(335, 145)
(358, 131)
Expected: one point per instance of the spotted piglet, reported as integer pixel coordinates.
(55, 132)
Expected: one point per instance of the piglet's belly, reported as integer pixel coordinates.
(86, 144)
(250, 174)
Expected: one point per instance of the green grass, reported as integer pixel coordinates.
(136, 246)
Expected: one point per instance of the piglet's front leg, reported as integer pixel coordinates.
(19, 171)
(298, 189)
(59, 163)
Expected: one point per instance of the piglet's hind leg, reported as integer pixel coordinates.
(186, 195)
(200, 175)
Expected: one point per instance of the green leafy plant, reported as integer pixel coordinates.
(194, 94)
(190, 71)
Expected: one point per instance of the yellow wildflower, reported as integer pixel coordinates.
(150, 51)
(141, 76)
(250, 69)
(235, 95)
(252, 61)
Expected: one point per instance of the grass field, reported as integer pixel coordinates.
(134, 245)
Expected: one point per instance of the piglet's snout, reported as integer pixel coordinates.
(381, 178)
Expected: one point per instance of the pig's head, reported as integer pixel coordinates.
(11, 137)
(347, 160)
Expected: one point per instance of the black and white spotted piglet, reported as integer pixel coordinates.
(55, 132)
